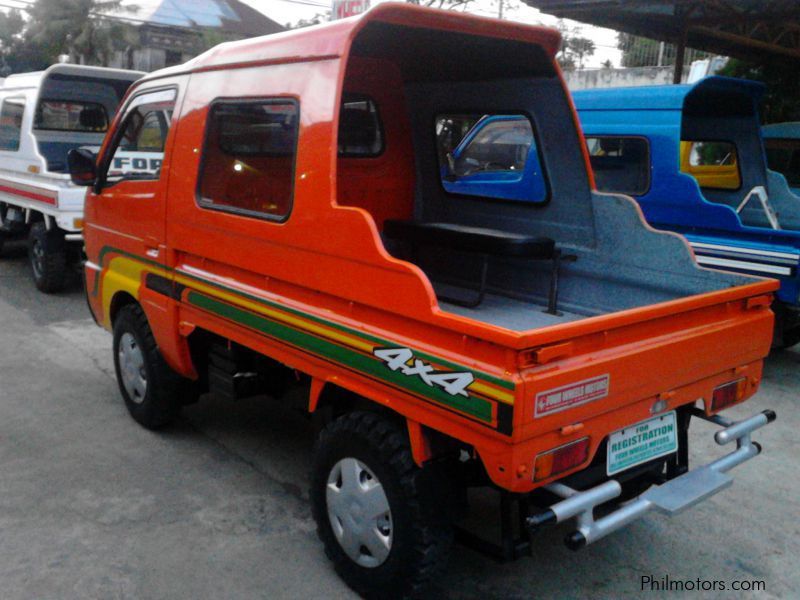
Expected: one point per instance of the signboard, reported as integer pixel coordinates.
(348, 8)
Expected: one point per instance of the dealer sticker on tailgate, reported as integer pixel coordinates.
(641, 442)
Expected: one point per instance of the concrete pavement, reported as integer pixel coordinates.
(93, 506)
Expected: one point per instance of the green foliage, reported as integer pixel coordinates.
(56, 27)
(574, 47)
(782, 99)
(73, 27)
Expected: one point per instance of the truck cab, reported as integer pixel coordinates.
(43, 116)
(693, 158)
(306, 232)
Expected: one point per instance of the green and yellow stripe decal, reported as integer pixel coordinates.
(489, 400)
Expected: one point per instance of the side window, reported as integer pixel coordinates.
(714, 164)
(139, 150)
(11, 123)
(492, 156)
(620, 164)
(248, 158)
(360, 128)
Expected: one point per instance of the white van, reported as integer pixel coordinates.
(43, 116)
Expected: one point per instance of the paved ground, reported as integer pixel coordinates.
(93, 506)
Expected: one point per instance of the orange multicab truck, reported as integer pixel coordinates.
(306, 228)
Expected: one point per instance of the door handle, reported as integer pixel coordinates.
(151, 246)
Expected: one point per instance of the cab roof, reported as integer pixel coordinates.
(34, 79)
(333, 40)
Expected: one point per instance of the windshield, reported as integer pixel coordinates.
(57, 115)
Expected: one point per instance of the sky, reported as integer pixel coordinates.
(291, 11)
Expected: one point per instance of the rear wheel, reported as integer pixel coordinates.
(789, 338)
(376, 511)
(48, 258)
(152, 391)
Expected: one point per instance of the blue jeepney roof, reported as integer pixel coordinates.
(787, 131)
(661, 97)
(715, 109)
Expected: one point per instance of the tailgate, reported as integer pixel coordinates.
(677, 356)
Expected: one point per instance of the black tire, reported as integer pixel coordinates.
(47, 255)
(789, 338)
(2, 242)
(421, 532)
(165, 392)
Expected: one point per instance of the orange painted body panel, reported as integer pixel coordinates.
(325, 272)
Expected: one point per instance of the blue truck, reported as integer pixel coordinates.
(693, 157)
(782, 142)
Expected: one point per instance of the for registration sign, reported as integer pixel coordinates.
(644, 441)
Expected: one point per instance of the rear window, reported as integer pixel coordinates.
(714, 164)
(492, 156)
(248, 158)
(11, 123)
(360, 129)
(620, 164)
(783, 156)
(57, 115)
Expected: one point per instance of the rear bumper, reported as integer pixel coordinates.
(670, 498)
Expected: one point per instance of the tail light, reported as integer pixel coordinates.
(727, 394)
(560, 459)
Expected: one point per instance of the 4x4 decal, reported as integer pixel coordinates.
(454, 383)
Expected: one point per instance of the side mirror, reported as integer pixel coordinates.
(82, 166)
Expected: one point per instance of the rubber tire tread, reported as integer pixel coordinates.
(415, 561)
(54, 269)
(166, 390)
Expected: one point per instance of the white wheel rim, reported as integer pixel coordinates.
(131, 368)
(359, 513)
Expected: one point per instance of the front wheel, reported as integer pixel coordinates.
(153, 392)
(48, 258)
(376, 511)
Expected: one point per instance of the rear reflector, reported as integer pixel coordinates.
(560, 459)
(727, 394)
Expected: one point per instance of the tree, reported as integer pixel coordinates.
(76, 28)
(782, 98)
(574, 47)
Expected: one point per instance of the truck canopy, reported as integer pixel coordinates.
(705, 148)
(47, 113)
(395, 90)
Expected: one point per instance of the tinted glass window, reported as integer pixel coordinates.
(494, 156)
(71, 116)
(360, 130)
(248, 159)
(714, 164)
(11, 123)
(620, 164)
(140, 150)
(783, 156)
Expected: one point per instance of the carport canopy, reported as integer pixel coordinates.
(752, 30)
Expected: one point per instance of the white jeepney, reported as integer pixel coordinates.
(43, 116)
